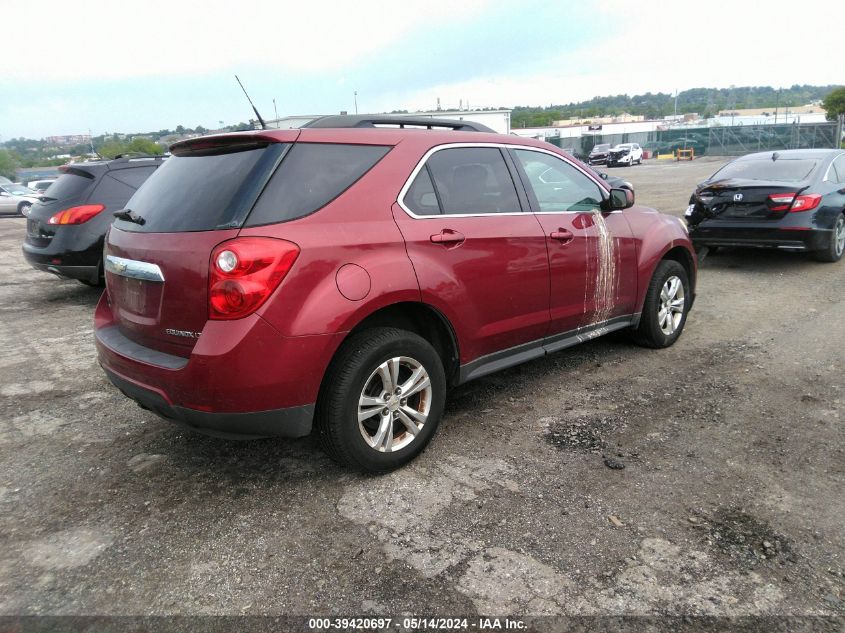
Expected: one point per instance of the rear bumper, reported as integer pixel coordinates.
(287, 422)
(61, 257)
(241, 379)
(758, 236)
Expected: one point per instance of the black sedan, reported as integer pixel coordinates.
(791, 199)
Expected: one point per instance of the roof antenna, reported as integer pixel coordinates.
(254, 109)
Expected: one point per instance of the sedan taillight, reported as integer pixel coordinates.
(244, 272)
(806, 202)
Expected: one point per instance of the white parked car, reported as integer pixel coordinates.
(625, 154)
(40, 186)
(15, 198)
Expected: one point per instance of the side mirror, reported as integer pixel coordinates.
(3, 194)
(619, 199)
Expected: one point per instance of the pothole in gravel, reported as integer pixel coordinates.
(745, 538)
(583, 434)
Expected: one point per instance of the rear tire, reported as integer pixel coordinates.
(381, 400)
(836, 246)
(667, 302)
(23, 208)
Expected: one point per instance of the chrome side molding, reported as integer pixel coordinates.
(133, 269)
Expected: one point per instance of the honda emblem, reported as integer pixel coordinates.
(737, 197)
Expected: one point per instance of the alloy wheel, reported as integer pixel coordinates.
(839, 236)
(671, 306)
(394, 404)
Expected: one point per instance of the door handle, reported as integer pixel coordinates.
(448, 236)
(562, 235)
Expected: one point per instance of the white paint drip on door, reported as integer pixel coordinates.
(604, 276)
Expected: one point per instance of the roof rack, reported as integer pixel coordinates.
(402, 122)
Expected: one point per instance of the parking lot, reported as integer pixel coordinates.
(706, 478)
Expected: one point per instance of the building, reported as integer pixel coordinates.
(601, 120)
(69, 140)
(758, 112)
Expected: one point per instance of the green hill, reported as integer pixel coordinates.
(705, 101)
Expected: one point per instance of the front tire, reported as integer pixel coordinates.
(667, 303)
(836, 247)
(23, 209)
(381, 400)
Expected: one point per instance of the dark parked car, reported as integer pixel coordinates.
(792, 200)
(344, 275)
(598, 155)
(65, 230)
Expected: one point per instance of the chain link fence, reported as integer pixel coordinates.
(734, 140)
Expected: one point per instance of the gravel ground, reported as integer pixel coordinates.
(702, 479)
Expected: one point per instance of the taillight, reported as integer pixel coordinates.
(76, 215)
(780, 201)
(806, 202)
(244, 272)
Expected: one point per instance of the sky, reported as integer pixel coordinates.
(113, 66)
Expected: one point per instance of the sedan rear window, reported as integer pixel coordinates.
(782, 169)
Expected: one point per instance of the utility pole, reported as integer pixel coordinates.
(355, 99)
(276, 112)
(777, 104)
(676, 103)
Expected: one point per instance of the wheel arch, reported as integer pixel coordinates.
(685, 259)
(422, 319)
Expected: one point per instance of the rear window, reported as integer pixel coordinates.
(311, 176)
(200, 192)
(782, 169)
(68, 186)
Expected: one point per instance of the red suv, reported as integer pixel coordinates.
(343, 275)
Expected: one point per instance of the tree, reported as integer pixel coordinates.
(144, 146)
(111, 148)
(834, 104)
(8, 163)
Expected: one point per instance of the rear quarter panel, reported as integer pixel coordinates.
(356, 228)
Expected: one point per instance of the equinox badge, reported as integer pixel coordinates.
(184, 333)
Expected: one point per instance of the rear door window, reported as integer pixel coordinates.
(837, 171)
(310, 176)
(421, 198)
(473, 180)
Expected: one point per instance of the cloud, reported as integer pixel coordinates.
(93, 39)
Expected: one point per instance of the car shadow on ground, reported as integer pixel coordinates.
(756, 260)
(265, 462)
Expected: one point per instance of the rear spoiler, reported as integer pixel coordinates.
(230, 143)
(74, 171)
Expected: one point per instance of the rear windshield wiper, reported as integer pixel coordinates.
(129, 216)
